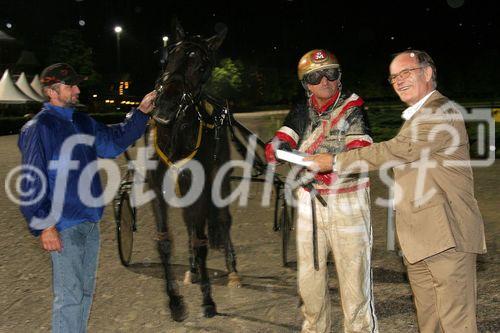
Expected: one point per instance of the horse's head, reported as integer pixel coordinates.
(189, 64)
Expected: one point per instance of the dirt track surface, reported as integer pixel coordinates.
(133, 300)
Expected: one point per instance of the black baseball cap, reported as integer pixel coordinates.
(60, 73)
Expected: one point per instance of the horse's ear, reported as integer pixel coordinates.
(179, 33)
(216, 40)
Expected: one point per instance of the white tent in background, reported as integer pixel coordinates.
(5, 37)
(9, 93)
(22, 83)
(37, 87)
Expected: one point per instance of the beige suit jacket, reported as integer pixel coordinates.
(434, 188)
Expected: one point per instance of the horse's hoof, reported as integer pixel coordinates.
(209, 310)
(233, 280)
(178, 309)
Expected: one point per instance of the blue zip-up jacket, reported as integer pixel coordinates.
(40, 143)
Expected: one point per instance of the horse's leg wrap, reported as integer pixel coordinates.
(196, 242)
(160, 236)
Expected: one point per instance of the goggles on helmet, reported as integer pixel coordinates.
(315, 77)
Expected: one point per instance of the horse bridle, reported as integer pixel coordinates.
(194, 100)
(188, 99)
(185, 102)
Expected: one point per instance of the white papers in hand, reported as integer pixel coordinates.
(292, 157)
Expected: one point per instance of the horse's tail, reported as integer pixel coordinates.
(219, 227)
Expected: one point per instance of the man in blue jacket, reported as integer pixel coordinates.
(60, 147)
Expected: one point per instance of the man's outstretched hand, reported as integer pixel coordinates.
(147, 104)
(321, 162)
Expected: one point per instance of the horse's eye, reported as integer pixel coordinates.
(192, 54)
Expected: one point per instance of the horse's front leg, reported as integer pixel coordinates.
(177, 307)
(195, 219)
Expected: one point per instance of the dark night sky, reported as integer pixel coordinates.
(271, 33)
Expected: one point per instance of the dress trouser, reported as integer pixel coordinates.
(444, 291)
(73, 272)
(343, 227)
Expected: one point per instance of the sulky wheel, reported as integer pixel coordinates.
(125, 229)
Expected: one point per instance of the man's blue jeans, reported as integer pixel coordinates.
(73, 272)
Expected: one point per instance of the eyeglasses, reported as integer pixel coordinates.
(404, 74)
(315, 77)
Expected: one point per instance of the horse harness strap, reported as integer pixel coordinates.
(205, 110)
(179, 164)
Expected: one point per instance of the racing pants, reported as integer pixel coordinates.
(344, 228)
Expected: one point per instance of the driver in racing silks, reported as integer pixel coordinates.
(331, 121)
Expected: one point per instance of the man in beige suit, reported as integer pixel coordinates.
(438, 222)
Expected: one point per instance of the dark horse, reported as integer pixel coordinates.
(192, 126)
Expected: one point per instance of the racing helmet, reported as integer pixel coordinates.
(314, 60)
